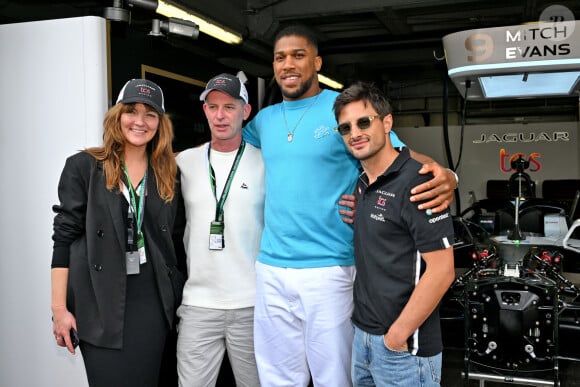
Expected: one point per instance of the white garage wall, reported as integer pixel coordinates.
(53, 97)
(555, 148)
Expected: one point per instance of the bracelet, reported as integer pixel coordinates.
(456, 177)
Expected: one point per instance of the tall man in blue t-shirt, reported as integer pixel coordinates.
(404, 258)
(305, 269)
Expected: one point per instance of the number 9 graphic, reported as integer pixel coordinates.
(480, 46)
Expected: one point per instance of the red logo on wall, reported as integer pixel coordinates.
(505, 161)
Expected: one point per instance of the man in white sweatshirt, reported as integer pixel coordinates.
(223, 189)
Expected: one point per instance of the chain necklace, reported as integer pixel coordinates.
(291, 132)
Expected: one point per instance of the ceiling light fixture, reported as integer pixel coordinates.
(330, 82)
(205, 25)
(530, 85)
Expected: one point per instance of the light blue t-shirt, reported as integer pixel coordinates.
(305, 179)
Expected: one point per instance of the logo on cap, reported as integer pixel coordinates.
(143, 91)
(227, 83)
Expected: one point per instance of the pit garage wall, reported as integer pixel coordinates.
(53, 100)
(552, 148)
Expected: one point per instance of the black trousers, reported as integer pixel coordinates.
(145, 334)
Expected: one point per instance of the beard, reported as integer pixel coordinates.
(302, 89)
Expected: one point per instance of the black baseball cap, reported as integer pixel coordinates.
(229, 84)
(144, 91)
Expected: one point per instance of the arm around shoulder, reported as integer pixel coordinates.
(438, 193)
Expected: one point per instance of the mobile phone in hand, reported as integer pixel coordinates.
(74, 337)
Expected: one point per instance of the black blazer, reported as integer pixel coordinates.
(89, 226)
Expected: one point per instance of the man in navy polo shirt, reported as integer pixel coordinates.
(403, 256)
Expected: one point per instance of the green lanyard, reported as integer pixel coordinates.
(219, 211)
(133, 203)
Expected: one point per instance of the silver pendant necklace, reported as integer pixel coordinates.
(291, 132)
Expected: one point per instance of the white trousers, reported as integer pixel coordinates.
(302, 326)
(204, 335)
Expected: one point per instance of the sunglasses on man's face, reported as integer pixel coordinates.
(361, 123)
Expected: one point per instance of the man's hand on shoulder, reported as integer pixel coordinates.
(347, 215)
(437, 192)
